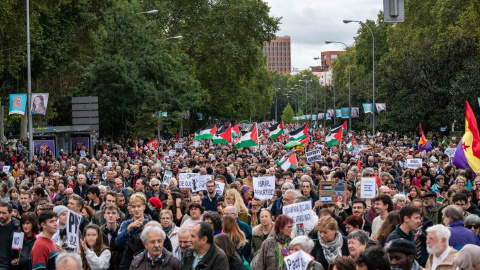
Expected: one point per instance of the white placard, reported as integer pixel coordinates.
(167, 178)
(196, 144)
(367, 190)
(185, 180)
(264, 187)
(213, 157)
(178, 145)
(6, 169)
(109, 164)
(263, 146)
(450, 152)
(172, 153)
(17, 240)
(314, 155)
(219, 187)
(185, 153)
(357, 149)
(297, 261)
(73, 224)
(300, 212)
(413, 163)
(200, 182)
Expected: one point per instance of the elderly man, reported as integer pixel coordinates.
(453, 218)
(69, 261)
(184, 242)
(204, 254)
(432, 209)
(154, 256)
(441, 254)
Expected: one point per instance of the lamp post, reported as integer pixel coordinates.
(275, 91)
(29, 89)
(324, 96)
(373, 69)
(349, 92)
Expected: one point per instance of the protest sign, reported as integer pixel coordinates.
(178, 146)
(297, 261)
(264, 187)
(73, 224)
(196, 144)
(219, 187)
(449, 151)
(200, 182)
(413, 163)
(167, 178)
(335, 190)
(185, 180)
(17, 241)
(263, 146)
(300, 212)
(314, 155)
(172, 153)
(367, 190)
(358, 148)
(6, 169)
(56, 235)
(339, 192)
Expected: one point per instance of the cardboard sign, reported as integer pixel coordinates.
(339, 192)
(185, 180)
(172, 153)
(367, 190)
(314, 155)
(200, 182)
(219, 187)
(178, 146)
(264, 187)
(449, 151)
(333, 190)
(413, 163)
(300, 212)
(6, 169)
(73, 224)
(297, 261)
(17, 241)
(167, 178)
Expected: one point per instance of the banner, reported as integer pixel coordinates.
(38, 103)
(199, 116)
(297, 261)
(41, 146)
(153, 144)
(367, 190)
(330, 113)
(345, 112)
(219, 187)
(178, 145)
(309, 116)
(355, 112)
(320, 116)
(314, 117)
(17, 104)
(263, 187)
(367, 108)
(314, 155)
(338, 113)
(381, 107)
(300, 212)
(304, 117)
(73, 224)
(185, 180)
(167, 178)
(413, 163)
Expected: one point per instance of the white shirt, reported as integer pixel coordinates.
(438, 260)
(376, 224)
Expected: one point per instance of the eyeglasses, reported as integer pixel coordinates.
(155, 185)
(165, 218)
(472, 226)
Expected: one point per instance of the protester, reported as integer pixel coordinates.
(441, 254)
(453, 218)
(401, 254)
(69, 261)
(224, 242)
(357, 242)
(95, 254)
(274, 249)
(262, 231)
(44, 251)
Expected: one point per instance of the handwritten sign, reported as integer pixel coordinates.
(219, 187)
(314, 155)
(178, 146)
(413, 163)
(167, 178)
(297, 261)
(300, 212)
(185, 180)
(333, 190)
(6, 169)
(264, 187)
(449, 151)
(73, 224)
(358, 148)
(200, 182)
(367, 190)
(17, 241)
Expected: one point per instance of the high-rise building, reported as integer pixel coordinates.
(277, 52)
(324, 71)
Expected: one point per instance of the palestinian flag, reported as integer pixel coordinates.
(224, 137)
(305, 141)
(350, 144)
(444, 141)
(207, 132)
(288, 161)
(235, 131)
(335, 135)
(249, 139)
(276, 130)
(315, 125)
(299, 134)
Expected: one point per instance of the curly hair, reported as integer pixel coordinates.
(215, 218)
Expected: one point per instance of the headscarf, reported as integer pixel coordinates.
(467, 257)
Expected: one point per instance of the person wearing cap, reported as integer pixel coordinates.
(62, 213)
(401, 255)
(432, 209)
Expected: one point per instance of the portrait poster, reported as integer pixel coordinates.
(38, 103)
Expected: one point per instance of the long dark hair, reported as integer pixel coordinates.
(224, 242)
(183, 205)
(98, 247)
(32, 218)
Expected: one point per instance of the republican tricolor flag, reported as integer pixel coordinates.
(467, 154)
(423, 143)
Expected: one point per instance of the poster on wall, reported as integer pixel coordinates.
(79, 142)
(44, 147)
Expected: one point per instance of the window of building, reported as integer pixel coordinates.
(334, 56)
(288, 48)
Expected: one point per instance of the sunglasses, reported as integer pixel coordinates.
(156, 185)
(472, 226)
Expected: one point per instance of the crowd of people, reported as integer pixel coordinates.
(426, 217)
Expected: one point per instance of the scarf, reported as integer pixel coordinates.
(282, 239)
(333, 249)
(168, 229)
(254, 221)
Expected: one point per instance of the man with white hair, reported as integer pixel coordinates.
(69, 261)
(441, 254)
(305, 244)
(155, 256)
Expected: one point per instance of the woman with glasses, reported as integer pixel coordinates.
(171, 230)
(472, 222)
(274, 248)
(460, 182)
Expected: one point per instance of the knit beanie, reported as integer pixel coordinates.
(59, 209)
(401, 245)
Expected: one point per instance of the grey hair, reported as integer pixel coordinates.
(288, 185)
(441, 231)
(399, 197)
(304, 241)
(359, 235)
(234, 209)
(154, 181)
(472, 220)
(454, 212)
(151, 229)
(64, 256)
(367, 171)
(294, 192)
(185, 230)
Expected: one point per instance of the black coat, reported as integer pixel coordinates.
(83, 193)
(317, 251)
(214, 259)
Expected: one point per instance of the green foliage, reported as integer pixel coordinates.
(287, 115)
(300, 112)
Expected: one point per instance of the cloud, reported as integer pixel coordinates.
(310, 22)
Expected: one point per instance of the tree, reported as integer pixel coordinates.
(300, 112)
(287, 115)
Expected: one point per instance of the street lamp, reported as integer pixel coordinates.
(373, 68)
(29, 88)
(324, 96)
(306, 92)
(349, 92)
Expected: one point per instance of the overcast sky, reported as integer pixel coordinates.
(310, 22)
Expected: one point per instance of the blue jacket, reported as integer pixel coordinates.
(123, 236)
(210, 204)
(461, 235)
